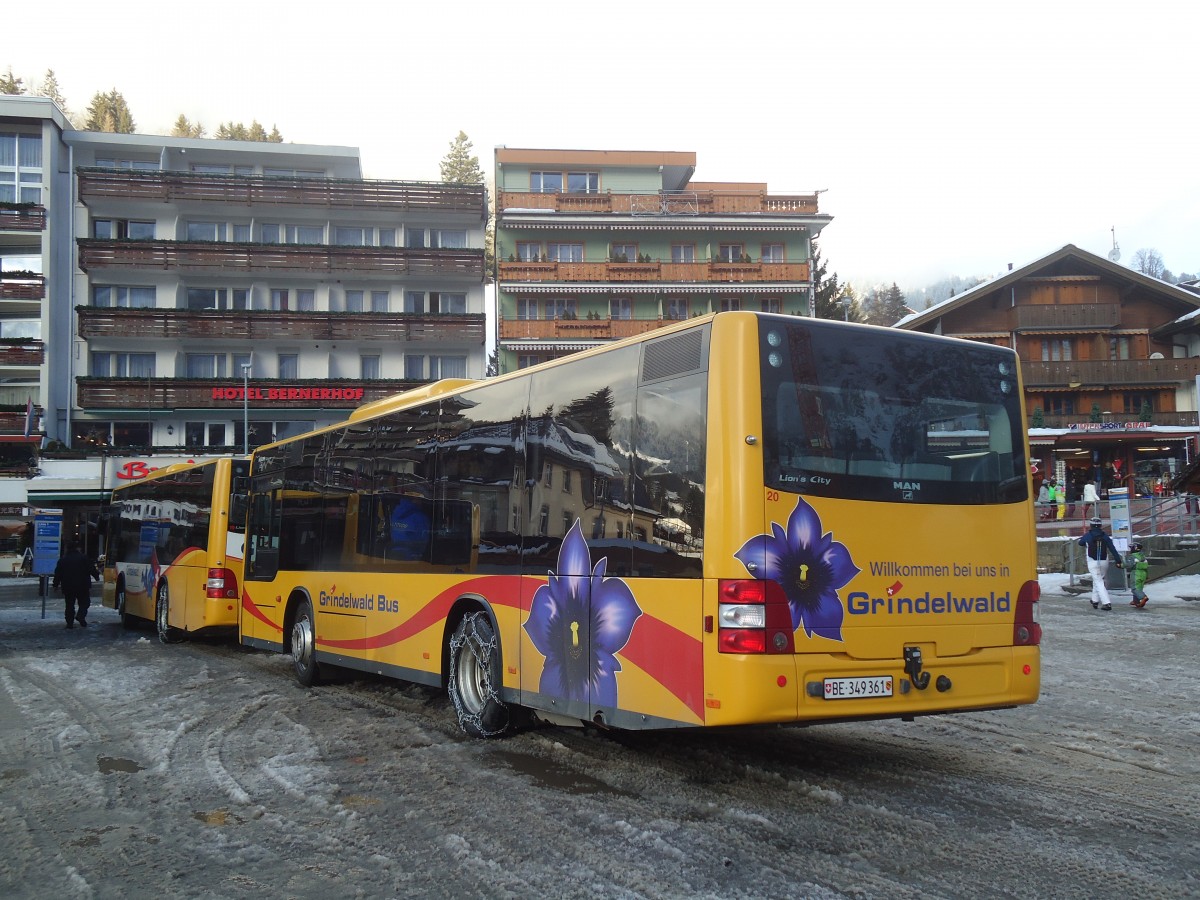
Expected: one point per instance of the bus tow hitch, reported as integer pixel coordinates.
(912, 665)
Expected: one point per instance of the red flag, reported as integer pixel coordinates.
(29, 417)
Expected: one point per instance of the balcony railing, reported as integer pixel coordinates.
(159, 394)
(22, 287)
(266, 190)
(577, 329)
(1178, 419)
(1069, 317)
(658, 272)
(216, 256)
(19, 217)
(14, 422)
(22, 353)
(1109, 373)
(103, 322)
(664, 203)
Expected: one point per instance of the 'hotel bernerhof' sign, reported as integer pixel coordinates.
(1109, 426)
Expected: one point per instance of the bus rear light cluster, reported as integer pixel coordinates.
(1026, 630)
(222, 585)
(753, 617)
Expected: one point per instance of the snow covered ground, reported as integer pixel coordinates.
(129, 768)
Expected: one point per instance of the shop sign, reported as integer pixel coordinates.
(1110, 426)
(242, 394)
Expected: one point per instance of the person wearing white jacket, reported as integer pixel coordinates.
(1091, 500)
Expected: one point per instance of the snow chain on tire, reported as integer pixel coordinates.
(467, 639)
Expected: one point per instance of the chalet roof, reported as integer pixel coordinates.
(1068, 260)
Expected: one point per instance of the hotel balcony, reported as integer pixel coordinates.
(269, 325)
(577, 329)
(157, 395)
(1068, 317)
(22, 217)
(662, 203)
(252, 190)
(22, 286)
(221, 257)
(1111, 374)
(21, 352)
(660, 272)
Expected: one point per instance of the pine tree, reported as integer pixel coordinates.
(10, 84)
(458, 165)
(110, 113)
(185, 128)
(826, 290)
(50, 90)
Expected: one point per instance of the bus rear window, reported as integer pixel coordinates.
(854, 413)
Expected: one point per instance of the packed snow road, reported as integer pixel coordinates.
(133, 769)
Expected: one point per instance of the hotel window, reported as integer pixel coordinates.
(447, 367)
(206, 169)
(1056, 350)
(730, 253)
(597, 528)
(546, 182)
(414, 302)
(560, 308)
(130, 297)
(20, 168)
(123, 365)
(206, 298)
(346, 236)
(527, 309)
(276, 233)
(1118, 347)
(205, 365)
(565, 252)
(1059, 406)
(548, 474)
(387, 237)
(730, 303)
(239, 361)
(279, 299)
(544, 520)
(683, 253)
(306, 300)
(435, 238)
(241, 233)
(623, 252)
(528, 251)
(354, 301)
(583, 182)
(772, 253)
(289, 366)
(620, 308)
(1134, 402)
(525, 360)
(414, 367)
(276, 172)
(447, 303)
(772, 304)
(677, 308)
(380, 301)
(568, 519)
(122, 229)
(566, 480)
(205, 231)
(369, 368)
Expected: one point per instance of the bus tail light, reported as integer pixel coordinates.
(1026, 630)
(222, 585)
(753, 617)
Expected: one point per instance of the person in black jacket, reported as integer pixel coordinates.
(1100, 550)
(74, 573)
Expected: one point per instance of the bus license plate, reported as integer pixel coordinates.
(857, 688)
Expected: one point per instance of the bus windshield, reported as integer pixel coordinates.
(871, 414)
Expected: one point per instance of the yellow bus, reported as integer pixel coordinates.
(745, 518)
(174, 547)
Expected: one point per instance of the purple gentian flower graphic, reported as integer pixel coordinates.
(579, 621)
(808, 565)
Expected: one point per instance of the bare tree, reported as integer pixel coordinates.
(1149, 261)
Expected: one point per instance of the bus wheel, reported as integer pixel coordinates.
(166, 633)
(126, 618)
(475, 677)
(304, 650)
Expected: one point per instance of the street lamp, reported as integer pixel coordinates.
(844, 302)
(245, 409)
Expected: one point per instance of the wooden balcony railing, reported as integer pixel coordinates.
(664, 203)
(659, 272)
(1177, 419)
(14, 422)
(264, 190)
(224, 257)
(1067, 316)
(22, 353)
(101, 322)
(158, 394)
(577, 329)
(18, 217)
(1109, 373)
(22, 287)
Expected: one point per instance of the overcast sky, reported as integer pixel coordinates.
(948, 138)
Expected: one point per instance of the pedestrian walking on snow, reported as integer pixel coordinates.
(1136, 560)
(1100, 551)
(74, 573)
